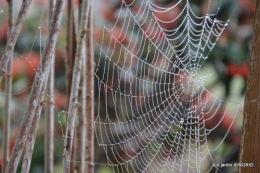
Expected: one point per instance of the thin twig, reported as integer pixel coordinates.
(75, 88)
(90, 95)
(8, 90)
(39, 82)
(13, 38)
(49, 111)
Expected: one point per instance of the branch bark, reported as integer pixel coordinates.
(13, 38)
(39, 82)
(8, 91)
(249, 150)
(49, 111)
(90, 95)
(73, 104)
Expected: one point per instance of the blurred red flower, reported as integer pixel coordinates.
(4, 30)
(241, 70)
(27, 64)
(250, 5)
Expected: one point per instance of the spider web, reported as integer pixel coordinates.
(153, 112)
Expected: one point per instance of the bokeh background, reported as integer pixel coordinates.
(227, 64)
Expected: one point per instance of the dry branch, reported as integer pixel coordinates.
(249, 150)
(13, 38)
(90, 95)
(8, 91)
(39, 82)
(73, 103)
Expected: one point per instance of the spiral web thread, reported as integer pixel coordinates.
(152, 113)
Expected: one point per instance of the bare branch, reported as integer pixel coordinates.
(39, 82)
(71, 46)
(90, 95)
(31, 137)
(13, 38)
(71, 53)
(49, 111)
(81, 149)
(8, 90)
(75, 88)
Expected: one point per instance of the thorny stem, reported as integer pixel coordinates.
(13, 38)
(39, 82)
(73, 104)
(8, 91)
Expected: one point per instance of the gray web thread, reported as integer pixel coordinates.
(161, 105)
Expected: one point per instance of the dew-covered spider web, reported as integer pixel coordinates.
(153, 112)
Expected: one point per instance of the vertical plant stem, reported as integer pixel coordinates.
(71, 53)
(27, 158)
(81, 150)
(71, 46)
(90, 95)
(73, 150)
(39, 82)
(8, 91)
(13, 37)
(73, 104)
(49, 111)
(250, 150)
